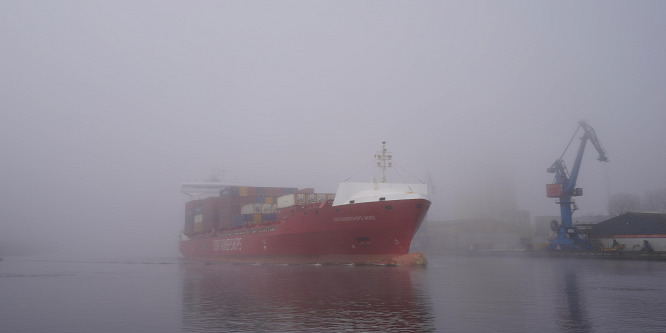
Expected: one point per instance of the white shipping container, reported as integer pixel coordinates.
(290, 200)
(246, 209)
(311, 198)
(321, 197)
(266, 208)
(252, 208)
(286, 201)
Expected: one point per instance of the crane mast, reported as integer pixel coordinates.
(564, 188)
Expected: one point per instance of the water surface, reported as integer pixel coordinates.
(481, 293)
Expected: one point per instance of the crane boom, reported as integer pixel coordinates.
(591, 136)
(564, 188)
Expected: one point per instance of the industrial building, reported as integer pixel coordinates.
(636, 231)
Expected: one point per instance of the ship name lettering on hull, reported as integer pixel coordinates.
(227, 244)
(354, 218)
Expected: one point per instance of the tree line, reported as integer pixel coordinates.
(624, 202)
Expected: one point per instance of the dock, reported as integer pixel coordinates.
(621, 255)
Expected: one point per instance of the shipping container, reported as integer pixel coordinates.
(256, 218)
(288, 190)
(240, 220)
(269, 200)
(189, 216)
(237, 221)
(266, 208)
(311, 198)
(207, 214)
(321, 197)
(231, 205)
(198, 228)
(242, 191)
(192, 204)
(210, 201)
(231, 191)
(290, 200)
(253, 208)
(224, 222)
(279, 191)
(268, 217)
(243, 200)
(192, 208)
(247, 219)
(286, 201)
(308, 190)
(189, 229)
(269, 192)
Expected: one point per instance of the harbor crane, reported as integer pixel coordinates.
(564, 188)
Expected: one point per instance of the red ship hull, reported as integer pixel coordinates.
(377, 232)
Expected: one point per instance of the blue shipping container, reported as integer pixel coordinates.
(239, 220)
(268, 217)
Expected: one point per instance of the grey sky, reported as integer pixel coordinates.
(108, 106)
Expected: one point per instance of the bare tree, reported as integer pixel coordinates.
(621, 203)
(655, 200)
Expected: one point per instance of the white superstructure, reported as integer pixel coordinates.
(369, 192)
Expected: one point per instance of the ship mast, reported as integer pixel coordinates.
(383, 160)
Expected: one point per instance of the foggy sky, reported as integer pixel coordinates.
(108, 106)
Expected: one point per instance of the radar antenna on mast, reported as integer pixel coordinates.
(384, 160)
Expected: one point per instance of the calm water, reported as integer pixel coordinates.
(452, 294)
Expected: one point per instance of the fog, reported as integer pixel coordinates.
(107, 107)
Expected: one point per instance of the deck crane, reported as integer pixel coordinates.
(564, 188)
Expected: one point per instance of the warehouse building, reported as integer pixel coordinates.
(636, 231)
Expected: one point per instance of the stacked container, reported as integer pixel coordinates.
(190, 211)
(299, 199)
(201, 215)
(230, 207)
(236, 206)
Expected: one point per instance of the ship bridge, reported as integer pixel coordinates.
(369, 192)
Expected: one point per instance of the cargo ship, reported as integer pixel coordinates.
(361, 223)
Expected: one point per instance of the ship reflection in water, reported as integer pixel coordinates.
(248, 298)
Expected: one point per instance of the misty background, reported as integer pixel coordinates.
(107, 107)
